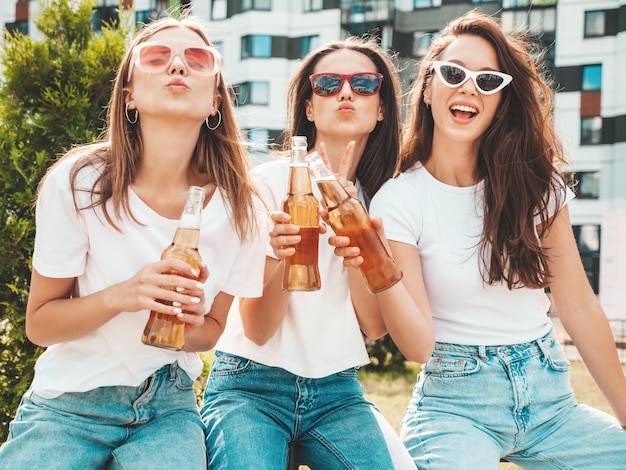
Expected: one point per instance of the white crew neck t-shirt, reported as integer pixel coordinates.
(445, 223)
(320, 334)
(83, 245)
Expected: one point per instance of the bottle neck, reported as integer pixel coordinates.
(299, 179)
(332, 190)
(187, 237)
(188, 232)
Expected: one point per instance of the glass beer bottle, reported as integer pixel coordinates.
(301, 269)
(348, 217)
(163, 330)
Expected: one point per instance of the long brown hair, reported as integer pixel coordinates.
(220, 153)
(379, 160)
(518, 156)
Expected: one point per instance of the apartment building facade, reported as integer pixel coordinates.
(262, 41)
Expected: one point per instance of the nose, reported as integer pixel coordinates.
(177, 66)
(345, 93)
(469, 87)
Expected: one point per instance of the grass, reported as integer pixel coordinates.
(392, 392)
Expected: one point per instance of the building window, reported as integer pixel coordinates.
(307, 44)
(17, 27)
(259, 139)
(588, 241)
(586, 184)
(219, 10)
(256, 45)
(594, 23)
(421, 42)
(537, 21)
(515, 3)
(264, 5)
(425, 3)
(219, 45)
(591, 130)
(252, 93)
(592, 78)
(313, 5)
(102, 16)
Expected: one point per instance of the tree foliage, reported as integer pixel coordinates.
(53, 94)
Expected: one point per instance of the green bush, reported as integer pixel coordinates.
(53, 94)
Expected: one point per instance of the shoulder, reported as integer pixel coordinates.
(408, 181)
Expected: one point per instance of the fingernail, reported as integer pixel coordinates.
(194, 300)
(195, 273)
(180, 289)
(200, 285)
(178, 311)
(177, 304)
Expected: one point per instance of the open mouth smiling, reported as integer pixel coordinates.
(463, 111)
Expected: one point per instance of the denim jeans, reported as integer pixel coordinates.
(155, 425)
(473, 405)
(252, 411)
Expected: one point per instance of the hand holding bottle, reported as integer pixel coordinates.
(164, 330)
(301, 271)
(348, 217)
(155, 288)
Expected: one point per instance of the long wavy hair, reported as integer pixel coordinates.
(519, 155)
(379, 160)
(219, 153)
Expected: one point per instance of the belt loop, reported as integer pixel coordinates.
(544, 349)
(482, 352)
(173, 370)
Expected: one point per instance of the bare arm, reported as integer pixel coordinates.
(405, 307)
(54, 315)
(262, 316)
(402, 310)
(205, 336)
(365, 303)
(581, 314)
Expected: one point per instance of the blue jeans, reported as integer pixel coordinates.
(253, 411)
(155, 425)
(473, 405)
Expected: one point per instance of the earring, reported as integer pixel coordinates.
(219, 121)
(132, 121)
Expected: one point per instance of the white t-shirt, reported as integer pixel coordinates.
(445, 223)
(83, 245)
(320, 334)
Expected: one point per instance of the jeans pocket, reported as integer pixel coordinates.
(228, 364)
(447, 364)
(555, 356)
(183, 381)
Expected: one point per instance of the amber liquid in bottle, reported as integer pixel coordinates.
(347, 217)
(163, 330)
(301, 271)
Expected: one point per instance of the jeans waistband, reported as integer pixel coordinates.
(537, 346)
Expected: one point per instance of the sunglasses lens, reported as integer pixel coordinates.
(365, 83)
(327, 84)
(200, 60)
(155, 57)
(489, 81)
(451, 74)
